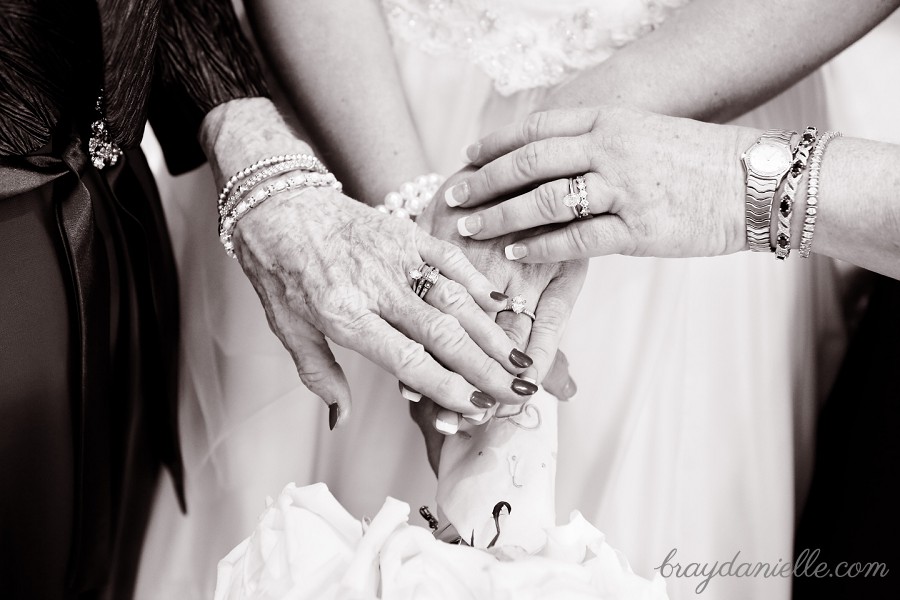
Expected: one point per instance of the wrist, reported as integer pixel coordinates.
(238, 133)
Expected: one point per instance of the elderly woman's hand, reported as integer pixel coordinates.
(656, 186)
(326, 265)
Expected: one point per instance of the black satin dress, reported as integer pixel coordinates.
(88, 296)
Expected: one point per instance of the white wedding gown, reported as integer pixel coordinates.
(697, 378)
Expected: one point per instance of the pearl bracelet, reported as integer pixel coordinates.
(302, 180)
(413, 196)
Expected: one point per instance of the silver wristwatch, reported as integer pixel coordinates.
(766, 162)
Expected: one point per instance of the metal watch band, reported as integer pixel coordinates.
(761, 194)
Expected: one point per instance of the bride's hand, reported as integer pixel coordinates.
(425, 412)
(326, 265)
(657, 186)
(549, 292)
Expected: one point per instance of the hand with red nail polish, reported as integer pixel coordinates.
(548, 290)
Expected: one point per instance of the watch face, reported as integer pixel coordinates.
(769, 159)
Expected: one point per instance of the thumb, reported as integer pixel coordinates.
(424, 414)
(558, 380)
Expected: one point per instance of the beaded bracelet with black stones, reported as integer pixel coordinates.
(786, 205)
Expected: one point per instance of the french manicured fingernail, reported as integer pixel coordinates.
(457, 194)
(469, 225)
(523, 387)
(473, 151)
(476, 418)
(411, 395)
(516, 251)
(499, 296)
(447, 422)
(333, 413)
(520, 359)
(481, 400)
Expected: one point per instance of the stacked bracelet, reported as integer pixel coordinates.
(812, 193)
(413, 196)
(233, 203)
(786, 205)
(302, 180)
(255, 180)
(312, 163)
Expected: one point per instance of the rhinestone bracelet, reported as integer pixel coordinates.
(786, 204)
(253, 181)
(812, 193)
(313, 165)
(413, 196)
(301, 180)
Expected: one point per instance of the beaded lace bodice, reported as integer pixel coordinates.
(522, 44)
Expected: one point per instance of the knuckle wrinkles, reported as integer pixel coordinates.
(546, 203)
(516, 335)
(454, 257)
(486, 370)
(312, 378)
(410, 357)
(447, 333)
(527, 159)
(358, 321)
(534, 125)
(446, 382)
(455, 295)
(579, 239)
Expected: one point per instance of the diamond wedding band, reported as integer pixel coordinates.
(423, 279)
(576, 199)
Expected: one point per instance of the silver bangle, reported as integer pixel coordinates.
(302, 180)
(786, 202)
(812, 193)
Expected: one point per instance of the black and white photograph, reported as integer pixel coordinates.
(449, 299)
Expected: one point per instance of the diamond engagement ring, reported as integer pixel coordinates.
(517, 305)
(576, 199)
(423, 279)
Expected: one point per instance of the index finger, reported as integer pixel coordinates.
(527, 166)
(537, 126)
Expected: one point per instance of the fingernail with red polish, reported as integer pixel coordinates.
(516, 251)
(333, 413)
(499, 296)
(481, 400)
(523, 387)
(520, 359)
(457, 194)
